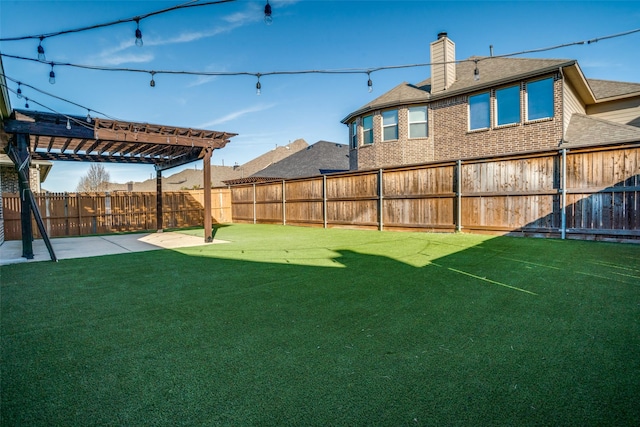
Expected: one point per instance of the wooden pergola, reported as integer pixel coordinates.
(48, 136)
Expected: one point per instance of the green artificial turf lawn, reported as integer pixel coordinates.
(300, 326)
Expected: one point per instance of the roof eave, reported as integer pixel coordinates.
(580, 83)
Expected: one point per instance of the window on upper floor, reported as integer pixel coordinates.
(367, 130)
(479, 111)
(354, 134)
(508, 105)
(418, 122)
(540, 99)
(389, 125)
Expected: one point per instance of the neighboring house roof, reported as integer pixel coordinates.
(586, 130)
(493, 71)
(603, 89)
(193, 178)
(317, 159)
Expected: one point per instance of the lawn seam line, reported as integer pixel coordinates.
(485, 279)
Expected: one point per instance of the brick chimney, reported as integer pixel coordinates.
(442, 75)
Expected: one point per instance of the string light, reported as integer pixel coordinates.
(88, 115)
(26, 103)
(152, 83)
(258, 86)
(19, 92)
(53, 96)
(189, 4)
(68, 125)
(139, 42)
(268, 19)
(368, 71)
(41, 56)
(52, 75)
(476, 72)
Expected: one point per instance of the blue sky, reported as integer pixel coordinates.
(305, 35)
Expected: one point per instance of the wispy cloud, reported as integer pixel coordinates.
(113, 55)
(235, 115)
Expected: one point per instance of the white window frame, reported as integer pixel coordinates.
(389, 126)
(425, 121)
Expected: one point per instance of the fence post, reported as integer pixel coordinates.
(284, 204)
(459, 195)
(563, 185)
(324, 200)
(254, 202)
(66, 214)
(380, 202)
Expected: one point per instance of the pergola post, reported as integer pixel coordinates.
(206, 169)
(159, 200)
(22, 162)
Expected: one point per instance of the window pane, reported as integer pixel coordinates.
(540, 99)
(390, 133)
(389, 118)
(418, 130)
(367, 130)
(479, 111)
(418, 114)
(354, 134)
(508, 105)
(389, 125)
(418, 122)
(367, 137)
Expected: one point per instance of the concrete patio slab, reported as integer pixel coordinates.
(90, 246)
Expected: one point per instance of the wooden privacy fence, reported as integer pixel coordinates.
(77, 214)
(588, 193)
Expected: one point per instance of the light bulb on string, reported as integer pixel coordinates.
(26, 103)
(476, 72)
(258, 86)
(88, 116)
(19, 92)
(268, 19)
(152, 83)
(68, 125)
(41, 56)
(139, 42)
(52, 75)
(370, 83)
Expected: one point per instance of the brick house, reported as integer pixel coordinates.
(486, 106)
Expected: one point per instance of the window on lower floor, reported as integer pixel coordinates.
(479, 111)
(367, 130)
(508, 105)
(540, 99)
(354, 134)
(389, 125)
(418, 122)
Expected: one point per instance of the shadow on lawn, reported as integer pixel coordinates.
(506, 332)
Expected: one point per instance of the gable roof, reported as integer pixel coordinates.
(587, 130)
(493, 71)
(317, 159)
